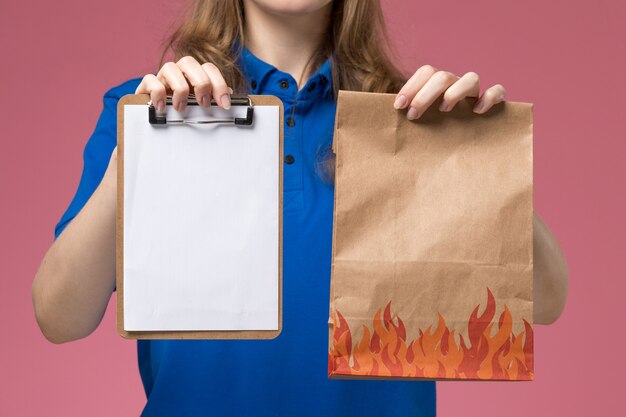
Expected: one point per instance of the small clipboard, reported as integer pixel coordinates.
(199, 219)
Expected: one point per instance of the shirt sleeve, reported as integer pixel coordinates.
(97, 152)
(96, 155)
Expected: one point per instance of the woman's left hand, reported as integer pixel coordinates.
(427, 84)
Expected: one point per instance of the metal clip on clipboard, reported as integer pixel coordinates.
(158, 118)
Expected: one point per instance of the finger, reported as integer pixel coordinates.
(172, 77)
(467, 86)
(433, 88)
(198, 79)
(493, 95)
(413, 85)
(219, 88)
(151, 85)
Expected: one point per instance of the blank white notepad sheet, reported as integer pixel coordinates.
(201, 221)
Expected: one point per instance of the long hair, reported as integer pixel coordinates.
(356, 42)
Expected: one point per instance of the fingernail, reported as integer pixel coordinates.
(412, 113)
(206, 101)
(160, 106)
(443, 106)
(230, 90)
(479, 106)
(182, 106)
(400, 102)
(225, 99)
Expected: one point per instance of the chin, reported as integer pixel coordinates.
(291, 7)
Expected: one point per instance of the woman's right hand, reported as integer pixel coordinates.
(178, 78)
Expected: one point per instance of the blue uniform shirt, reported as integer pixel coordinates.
(286, 376)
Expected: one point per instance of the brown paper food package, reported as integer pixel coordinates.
(432, 258)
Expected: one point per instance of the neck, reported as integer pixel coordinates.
(286, 41)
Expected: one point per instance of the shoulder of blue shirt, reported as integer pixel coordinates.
(127, 87)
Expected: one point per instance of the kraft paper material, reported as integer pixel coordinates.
(432, 259)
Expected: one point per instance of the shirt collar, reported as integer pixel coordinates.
(256, 69)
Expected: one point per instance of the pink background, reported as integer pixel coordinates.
(567, 57)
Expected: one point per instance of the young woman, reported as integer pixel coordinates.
(303, 52)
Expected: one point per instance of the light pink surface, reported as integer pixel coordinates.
(567, 57)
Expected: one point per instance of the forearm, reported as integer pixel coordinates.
(75, 280)
(550, 283)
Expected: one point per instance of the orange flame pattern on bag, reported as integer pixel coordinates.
(435, 354)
